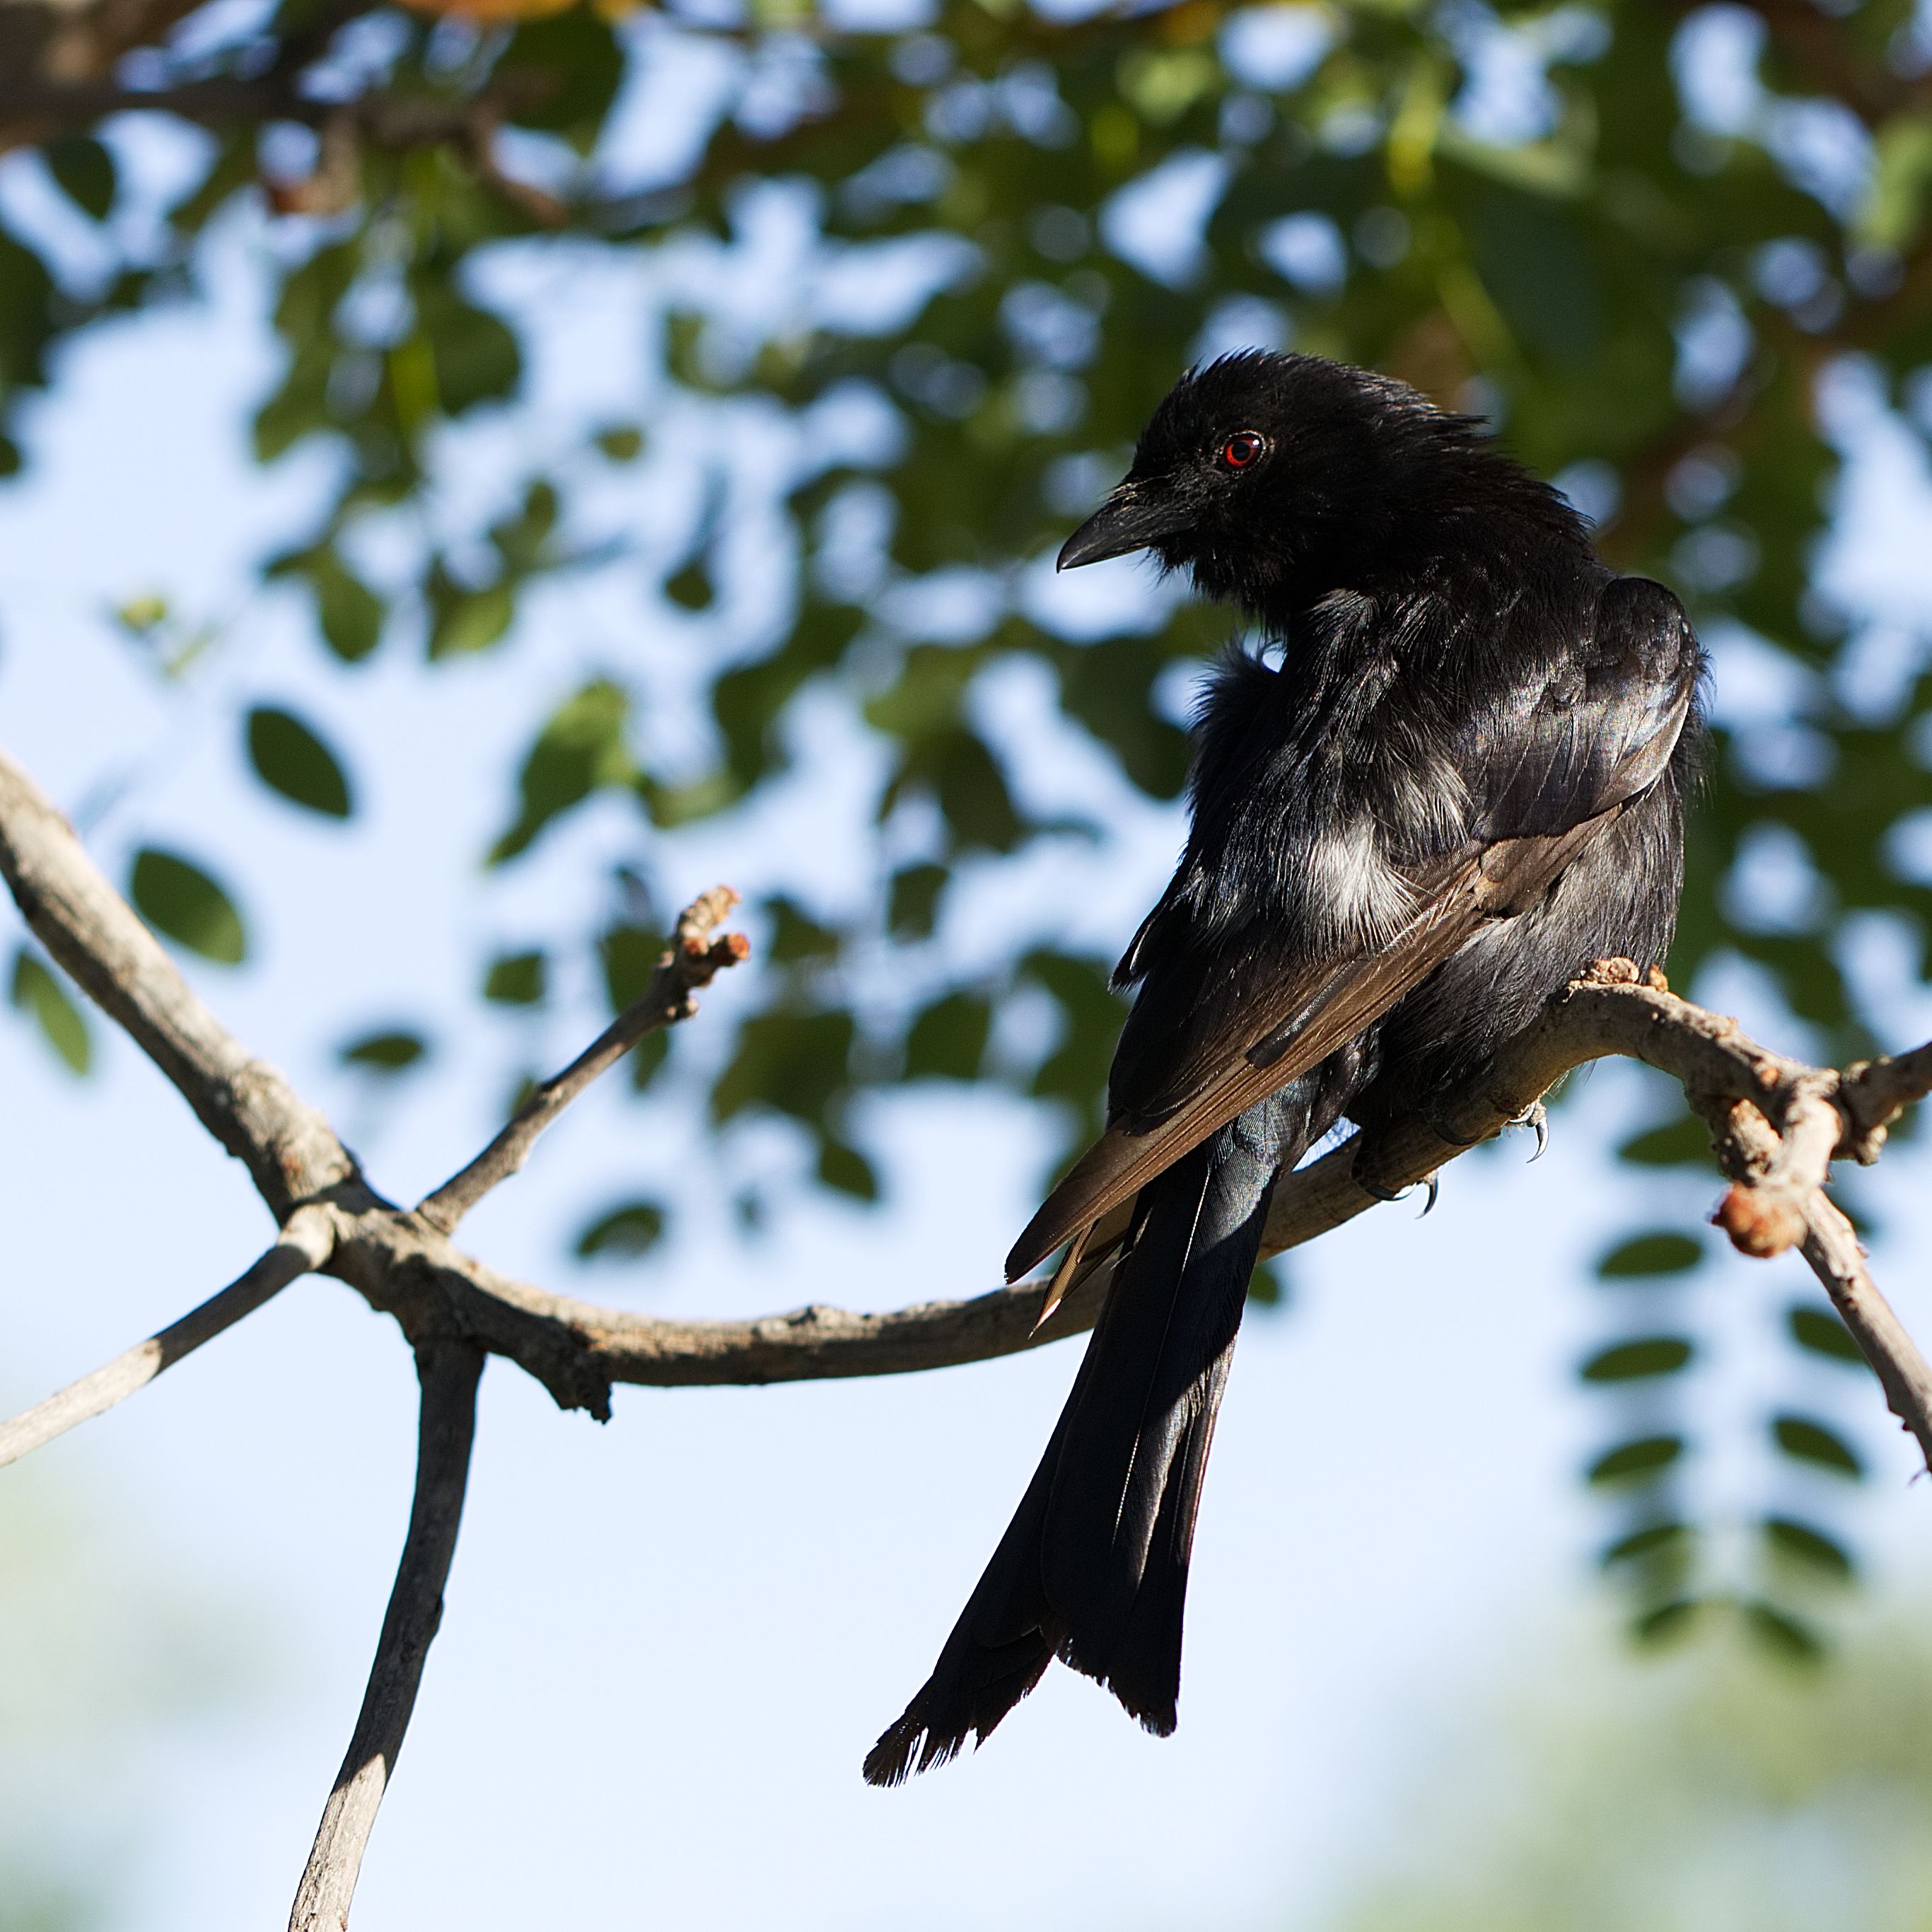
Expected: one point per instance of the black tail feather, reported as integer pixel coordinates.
(1093, 1568)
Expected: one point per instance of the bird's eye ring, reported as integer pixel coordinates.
(1242, 450)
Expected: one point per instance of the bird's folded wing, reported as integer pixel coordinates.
(1296, 1023)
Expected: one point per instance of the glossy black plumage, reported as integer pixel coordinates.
(1462, 783)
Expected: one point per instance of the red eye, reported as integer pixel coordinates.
(1242, 450)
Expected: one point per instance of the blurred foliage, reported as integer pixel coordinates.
(1650, 241)
(1733, 1794)
(107, 1653)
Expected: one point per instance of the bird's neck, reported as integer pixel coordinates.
(1437, 517)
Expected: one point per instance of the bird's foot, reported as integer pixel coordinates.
(1432, 1182)
(1535, 1115)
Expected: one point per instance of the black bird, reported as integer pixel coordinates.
(1463, 783)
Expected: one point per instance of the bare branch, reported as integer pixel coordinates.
(578, 1350)
(1831, 1246)
(291, 1152)
(694, 961)
(404, 1263)
(306, 1243)
(450, 1371)
(1816, 1115)
(1749, 1146)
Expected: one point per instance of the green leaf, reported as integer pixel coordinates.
(1660, 1251)
(140, 617)
(912, 906)
(1629, 1361)
(1270, 1285)
(790, 1063)
(1644, 1456)
(630, 955)
(947, 1041)
(1666, 1623)
(622, 442)
(1782, 1633)
(290, 759)
(1075, 1071)
(350, 613)
(1810, 1441)
(463, 622)
(846, 1169)
(85, 170)
(1677, 1143)
(1653, 1542)
(36, 990)
(177, 898)
(623, 1234)
(956, 770)
(575, 64)
(795, 935)
(1538, 272)
(523, 541)
(392, 1052)
(474, 354)
(1821, 1331)
(579, 750)
(516, 979)
(1805, 1544)
(690, 586)
(647, 1056)
(26, 315)
(1894, 212)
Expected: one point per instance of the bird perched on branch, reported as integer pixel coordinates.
(1454, 779)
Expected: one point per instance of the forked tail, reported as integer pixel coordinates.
(1093, 1568)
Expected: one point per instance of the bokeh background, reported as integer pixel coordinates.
(475, 481)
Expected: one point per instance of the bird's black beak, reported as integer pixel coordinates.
(1136, 515)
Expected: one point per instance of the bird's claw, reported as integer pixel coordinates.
(1536, 1116)
(1432, 1182)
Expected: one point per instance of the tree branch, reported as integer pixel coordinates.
(290, 1150)
(694, 961)
(579, 1350)
(405, 1264)
(306, 1243)
(450, 1371)
(1831, 1246)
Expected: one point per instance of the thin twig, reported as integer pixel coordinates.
(306, 1243)
(693, 960)
(1831, 1246)
(449, 1371)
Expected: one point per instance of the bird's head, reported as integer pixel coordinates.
(1259, 469)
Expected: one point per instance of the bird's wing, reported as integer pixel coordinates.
(1597, 729)
(1551, 767)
